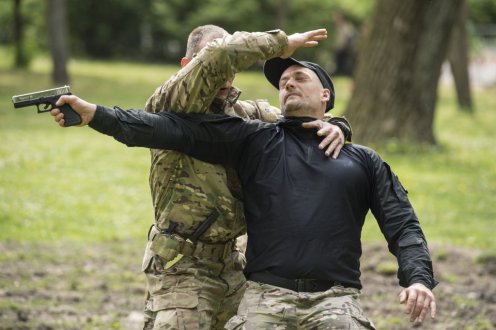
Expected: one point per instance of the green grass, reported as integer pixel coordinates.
(73, 184)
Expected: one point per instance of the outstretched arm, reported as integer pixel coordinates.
(218, 139)
(194, 87)
(333, 137)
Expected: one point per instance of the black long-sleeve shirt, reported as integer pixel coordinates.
(304, 211)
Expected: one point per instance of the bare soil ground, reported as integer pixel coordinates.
(75, 286)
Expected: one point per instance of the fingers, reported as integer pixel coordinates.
(58, 116)
(410, 302)
(60, 119)
(313, 37)
(433, 308)
(317, 124)
(64, 99)
(319, 34)
(419, 300)
(403, 296)
(334, 140)
(306, 39)
(331, 140)
(337, 150)
(333, 137)
(417, 309)
(423, 310)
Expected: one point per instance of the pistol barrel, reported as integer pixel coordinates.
(35, 97)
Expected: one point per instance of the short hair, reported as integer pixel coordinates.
(200, 35)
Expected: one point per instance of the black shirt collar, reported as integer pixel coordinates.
(294, 121)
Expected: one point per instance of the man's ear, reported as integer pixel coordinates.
(184, 61)
(326, 95)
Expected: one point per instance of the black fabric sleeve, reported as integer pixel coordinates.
(343, 124)
(400, 225)
(211, 138)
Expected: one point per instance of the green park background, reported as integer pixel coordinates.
(75, 187)
(75, 184)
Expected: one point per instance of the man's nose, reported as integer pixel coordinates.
(289, 84)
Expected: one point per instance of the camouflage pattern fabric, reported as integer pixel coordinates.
(185, 190)
(201, 292)
(269, 307)
(193, 294)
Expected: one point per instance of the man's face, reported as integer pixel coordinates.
(301, 93)
(224, 90)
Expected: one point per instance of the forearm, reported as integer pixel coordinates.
(134, 128)
(258, 109)
(214, 139)
(414, 261)
(400, 226)
(194, 87)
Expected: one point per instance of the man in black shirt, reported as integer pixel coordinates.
(304, 211)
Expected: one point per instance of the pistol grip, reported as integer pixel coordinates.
(71, 117)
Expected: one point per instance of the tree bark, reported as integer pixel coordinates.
(458, 59)
(398, 69)
(21, 59)
(57, 24)
(282, 14)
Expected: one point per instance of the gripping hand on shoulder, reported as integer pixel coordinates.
(304, 39)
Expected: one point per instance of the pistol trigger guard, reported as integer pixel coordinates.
(46, 107)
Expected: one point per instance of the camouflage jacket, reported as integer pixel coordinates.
(185, 190)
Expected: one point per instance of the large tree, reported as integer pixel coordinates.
(458, 59)
(398, 70)
(57, 31)
(21, 58)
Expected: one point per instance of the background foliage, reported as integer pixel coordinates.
(73, 184)
(157, 29)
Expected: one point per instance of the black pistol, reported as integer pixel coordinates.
(47, 100)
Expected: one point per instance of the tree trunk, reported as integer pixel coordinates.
(282, 14)
(398, 69)
(57, 26)
(21, 59)
(458, 59)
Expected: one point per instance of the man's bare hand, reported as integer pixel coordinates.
(85, 109)
(333, 136)
(305, 39)
(419, 300)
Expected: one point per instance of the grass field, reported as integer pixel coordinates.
(75, 206)
(74, 184)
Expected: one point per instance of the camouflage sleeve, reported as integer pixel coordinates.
(342, 123)
(258, 109)
(194, 87)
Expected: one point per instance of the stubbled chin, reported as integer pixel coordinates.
(291, 109)
(222, 94)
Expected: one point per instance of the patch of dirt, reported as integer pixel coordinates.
(71, 286)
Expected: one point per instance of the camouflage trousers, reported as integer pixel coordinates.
(195, 293)
(269, 307)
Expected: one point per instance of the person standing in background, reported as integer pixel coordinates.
(344, 42)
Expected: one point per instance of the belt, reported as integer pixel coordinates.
(169, 246)
(298, 285)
